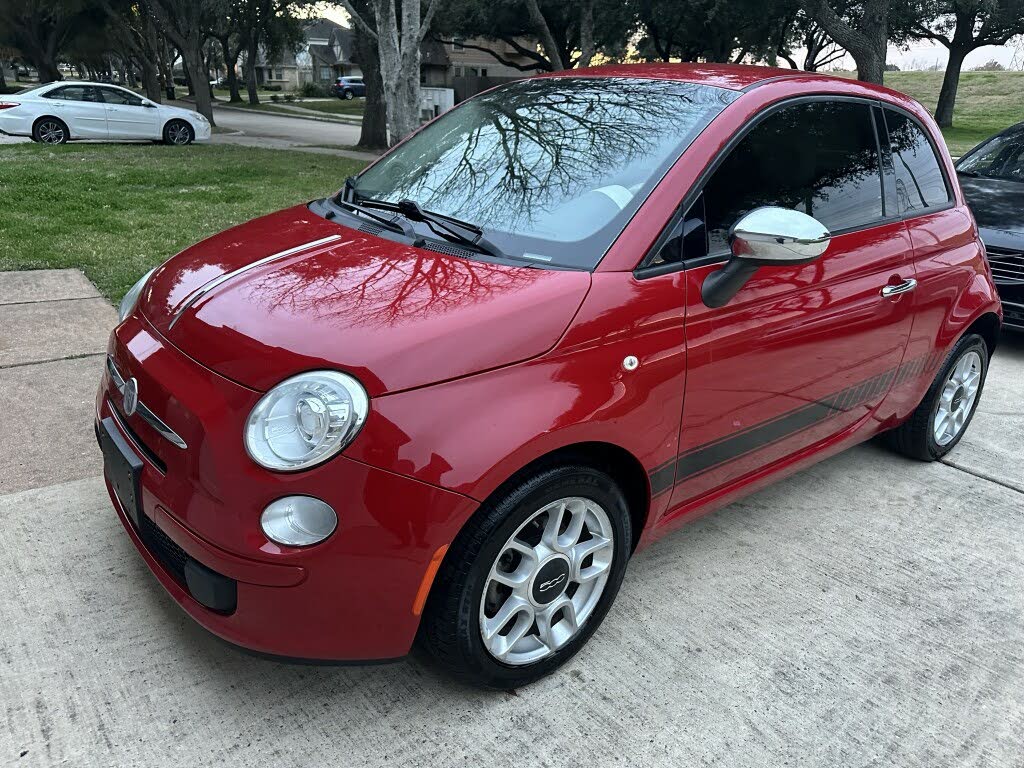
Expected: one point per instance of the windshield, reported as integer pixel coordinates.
(1000, 158)
(551, 169)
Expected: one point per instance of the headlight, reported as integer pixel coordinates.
(132, 297)
(305, 420)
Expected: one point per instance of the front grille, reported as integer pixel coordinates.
(171, 556)
(1007, 264)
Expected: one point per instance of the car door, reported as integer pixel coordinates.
(82, 109)
(127, 115)
(802, 354)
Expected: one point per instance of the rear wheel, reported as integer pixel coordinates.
(179, 133)
(50, 130)
(941, 419)
(529, 579)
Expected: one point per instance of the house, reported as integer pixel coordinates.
(326, 53)
(461, 64)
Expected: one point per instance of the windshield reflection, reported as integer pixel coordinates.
(552, 168)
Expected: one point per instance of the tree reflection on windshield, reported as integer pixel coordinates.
(552, 167)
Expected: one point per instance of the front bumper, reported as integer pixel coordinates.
(351, 598)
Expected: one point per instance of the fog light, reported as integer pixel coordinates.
(298, 521)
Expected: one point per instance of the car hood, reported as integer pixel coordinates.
(292, 292)
(997, 205)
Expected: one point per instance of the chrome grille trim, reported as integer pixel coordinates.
(204, 289)
(143, 412)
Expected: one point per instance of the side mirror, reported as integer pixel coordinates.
(149, 104)
(765, 237)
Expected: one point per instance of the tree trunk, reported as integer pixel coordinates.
(867, 42)
(374, 133)
(230, 60)
(950, 83)
(250, 68)
(192, 58)
(150, 80)
(586, 33)
(547, 40)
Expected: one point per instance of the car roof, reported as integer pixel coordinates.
(737, 77)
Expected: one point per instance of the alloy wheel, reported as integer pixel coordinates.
(178, 133)
(51, 132)
(956, 402)
(546, 581)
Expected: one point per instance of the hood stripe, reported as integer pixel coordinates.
(207, 287)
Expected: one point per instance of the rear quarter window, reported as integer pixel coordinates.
(920, 182)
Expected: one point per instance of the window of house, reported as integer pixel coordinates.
(920, 183)
(325, 73)
(819, 158)
(483, 72)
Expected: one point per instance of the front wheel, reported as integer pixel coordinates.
(348, 96)
(179, 133)
(529, 579)
(941, 419)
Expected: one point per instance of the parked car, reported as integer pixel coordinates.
(348, 87)
(55, 113)
(450, 402)
(992, 177)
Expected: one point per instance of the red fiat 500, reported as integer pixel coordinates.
(450, 402)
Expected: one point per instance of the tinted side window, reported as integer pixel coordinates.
(73, 93)
(115, 96)
(819, 158)
(919, 180)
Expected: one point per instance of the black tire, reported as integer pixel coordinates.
(348, 95)
(50, 130)
(178, 133)
(450, 631)
(915, 438)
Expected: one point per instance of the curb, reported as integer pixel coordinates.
(274, 113)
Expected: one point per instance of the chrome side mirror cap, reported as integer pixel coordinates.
(765, 237)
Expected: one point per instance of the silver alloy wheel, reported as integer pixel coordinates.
(957, 399)
(51, 132)
(178, 133)
(546, 581)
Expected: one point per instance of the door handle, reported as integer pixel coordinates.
(895, 290)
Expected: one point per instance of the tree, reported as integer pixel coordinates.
(963, 26)
(133, 33)
(863, 30)
(715, 30)
(185, 22)
(226, 30)
(374, 130)
(42, 29)
(570, 32)
(398, 33)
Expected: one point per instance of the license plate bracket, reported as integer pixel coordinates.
(122, 468)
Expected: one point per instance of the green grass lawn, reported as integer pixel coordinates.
(115, 211)
(986, 103)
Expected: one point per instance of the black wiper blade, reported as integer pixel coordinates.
(394, 224)
(445, 226)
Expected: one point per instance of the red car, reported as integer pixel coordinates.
(447, 404)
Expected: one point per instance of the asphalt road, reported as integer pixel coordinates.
(867, 611)
(287, 128)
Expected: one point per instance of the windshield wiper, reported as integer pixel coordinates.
(394, 224)
(444, 226)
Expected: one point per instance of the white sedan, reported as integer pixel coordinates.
(57, 112)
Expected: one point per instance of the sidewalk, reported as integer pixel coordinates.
(53, 335)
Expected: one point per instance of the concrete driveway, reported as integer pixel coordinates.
(868, 611)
